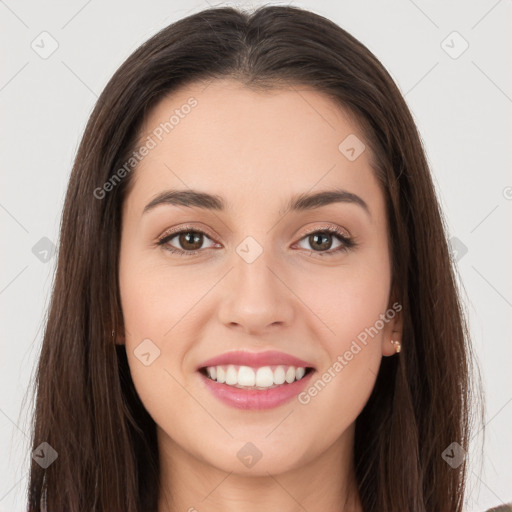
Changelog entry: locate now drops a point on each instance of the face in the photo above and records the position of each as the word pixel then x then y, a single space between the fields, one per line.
pixel 311 282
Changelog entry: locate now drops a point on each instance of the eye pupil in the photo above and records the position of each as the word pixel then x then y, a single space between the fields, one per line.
pixel 326 240
pixel 191 237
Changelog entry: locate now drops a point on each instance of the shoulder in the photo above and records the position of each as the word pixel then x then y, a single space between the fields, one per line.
pixel 506 507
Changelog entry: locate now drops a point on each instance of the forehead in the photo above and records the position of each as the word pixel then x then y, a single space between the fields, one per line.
pixel 248 145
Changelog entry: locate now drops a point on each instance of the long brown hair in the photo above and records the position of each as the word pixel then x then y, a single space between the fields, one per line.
pixel 86 406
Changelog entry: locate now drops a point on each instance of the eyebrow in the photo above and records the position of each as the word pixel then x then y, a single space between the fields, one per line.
pixel 301 202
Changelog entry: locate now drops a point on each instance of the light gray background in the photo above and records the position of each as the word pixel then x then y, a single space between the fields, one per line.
pixel 461 105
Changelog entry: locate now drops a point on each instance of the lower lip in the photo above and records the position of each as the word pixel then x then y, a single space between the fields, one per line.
pixel 253 398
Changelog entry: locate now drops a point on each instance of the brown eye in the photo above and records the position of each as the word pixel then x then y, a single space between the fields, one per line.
pixel 320 240
pixel 188 242
pixel 191 240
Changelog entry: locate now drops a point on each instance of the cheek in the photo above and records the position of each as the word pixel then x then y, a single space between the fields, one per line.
pixel 158 311
pixel 146 318
pixel 144 310
pixel 147 299
pixel 350 304
pixel 154 359
pixel 347 301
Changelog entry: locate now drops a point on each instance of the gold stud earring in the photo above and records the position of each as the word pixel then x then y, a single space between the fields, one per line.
pixel 397 345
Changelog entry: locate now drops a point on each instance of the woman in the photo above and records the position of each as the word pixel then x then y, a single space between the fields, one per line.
pixel 255 304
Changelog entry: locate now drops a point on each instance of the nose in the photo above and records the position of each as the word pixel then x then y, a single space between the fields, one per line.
pixel 255 296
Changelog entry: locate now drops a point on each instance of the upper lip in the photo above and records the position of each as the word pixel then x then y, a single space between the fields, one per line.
pixel 255 359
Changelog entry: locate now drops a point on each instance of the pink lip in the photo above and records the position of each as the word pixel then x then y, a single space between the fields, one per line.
pixel 255 359
pixel 253 398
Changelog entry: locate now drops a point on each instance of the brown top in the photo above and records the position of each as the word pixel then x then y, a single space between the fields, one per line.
pixel 506 507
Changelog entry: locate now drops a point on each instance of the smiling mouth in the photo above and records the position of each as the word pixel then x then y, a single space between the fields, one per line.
pixel 261 378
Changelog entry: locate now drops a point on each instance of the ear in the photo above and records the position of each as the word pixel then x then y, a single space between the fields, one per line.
pixel 393 327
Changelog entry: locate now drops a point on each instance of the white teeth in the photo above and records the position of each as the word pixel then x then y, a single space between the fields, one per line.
pixel 279 375
pixel 290 374
pixel 231 375
pixel 221 374
pixel 246 376
pixel 264 377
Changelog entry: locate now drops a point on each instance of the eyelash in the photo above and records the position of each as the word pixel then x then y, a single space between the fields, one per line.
pixel 346 242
